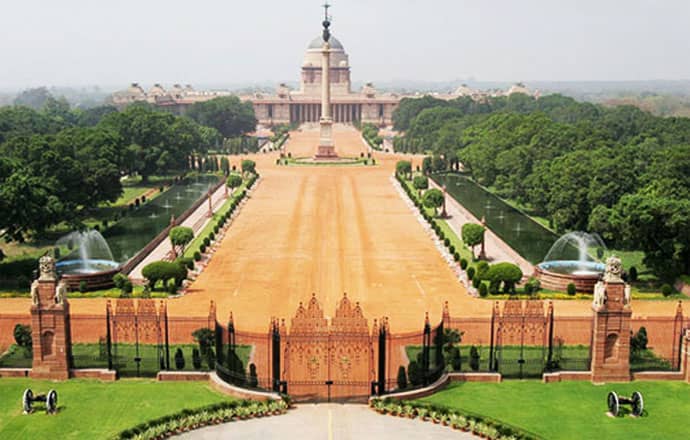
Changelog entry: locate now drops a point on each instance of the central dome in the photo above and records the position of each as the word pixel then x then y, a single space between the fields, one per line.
pixel 317 42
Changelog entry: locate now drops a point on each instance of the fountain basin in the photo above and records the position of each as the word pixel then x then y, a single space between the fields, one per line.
pixel 557 274
pixel 98 274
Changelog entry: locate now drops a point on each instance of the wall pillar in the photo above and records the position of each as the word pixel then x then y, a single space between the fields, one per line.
pixel 611 338
pixel 685 359
pixel 50 329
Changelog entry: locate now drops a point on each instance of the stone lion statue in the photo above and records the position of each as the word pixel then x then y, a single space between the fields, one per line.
pixel 60 293
pixel 599 298
pixel 34 293
pixel 614 270
pixel 46 268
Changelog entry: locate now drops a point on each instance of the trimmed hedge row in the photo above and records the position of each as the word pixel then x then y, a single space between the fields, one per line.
pixel 190 419
pixel 208 239
pixel 483 427
pixel 433 223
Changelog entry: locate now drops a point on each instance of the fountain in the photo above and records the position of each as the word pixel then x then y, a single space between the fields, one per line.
pixel 89 260
pixel 573 258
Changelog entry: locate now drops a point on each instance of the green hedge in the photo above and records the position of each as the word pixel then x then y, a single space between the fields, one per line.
pixel 481 426
pixel 190 419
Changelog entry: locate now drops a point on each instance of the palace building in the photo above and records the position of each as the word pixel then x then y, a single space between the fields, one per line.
pixel 288 106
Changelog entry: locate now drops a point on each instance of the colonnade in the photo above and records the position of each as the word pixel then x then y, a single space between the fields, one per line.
pixel 312 112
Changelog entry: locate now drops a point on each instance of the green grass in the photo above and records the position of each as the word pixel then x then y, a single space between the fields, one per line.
pixel 94 356
pixel 344 161
pixel 94 410
pixel 574 410
pixel 570 357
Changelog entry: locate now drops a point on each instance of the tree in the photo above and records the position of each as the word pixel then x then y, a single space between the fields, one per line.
pixel 179 359
pixel 420 183
pixel 180 236
pixel 474 358
pixel 638 342
pixel 227 114
pixel 205 337
pixel 164 271
pixel 415 373
pixel 433 198
pixel 22 336
pixel 234 181
pixel 472 235
pixel 403 168
pixel 253 378
pixel 506 273
pixel 402 378
pixel 451 337
pixel 248 166
pixel 33 98
pixel 196 359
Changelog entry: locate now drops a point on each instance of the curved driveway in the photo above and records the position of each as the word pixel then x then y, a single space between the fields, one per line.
pixel 329 422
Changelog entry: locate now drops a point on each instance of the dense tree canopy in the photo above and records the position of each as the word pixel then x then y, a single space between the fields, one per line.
pixel 580 165
pixel 58 163
pixel 227 114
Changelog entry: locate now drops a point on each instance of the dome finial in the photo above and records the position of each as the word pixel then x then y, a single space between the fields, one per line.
pixel 326 22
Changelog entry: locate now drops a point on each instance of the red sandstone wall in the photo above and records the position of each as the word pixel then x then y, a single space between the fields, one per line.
pixel 7 323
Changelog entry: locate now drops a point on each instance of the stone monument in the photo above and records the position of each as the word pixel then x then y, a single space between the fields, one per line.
pixel 611 338
pixel 326 149
pixel 50 324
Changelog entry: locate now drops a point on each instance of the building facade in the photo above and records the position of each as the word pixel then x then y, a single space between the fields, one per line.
pixel 287 106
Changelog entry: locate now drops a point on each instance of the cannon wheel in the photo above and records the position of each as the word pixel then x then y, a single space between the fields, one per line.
pixel 51 402
pixel 27 400
pixel 637 404
pixel 613 403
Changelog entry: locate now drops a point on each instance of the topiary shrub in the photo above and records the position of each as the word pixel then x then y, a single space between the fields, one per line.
pixel 202 248
pixel 179 359
pixel 470 273
pixel 571 289
pixel 446 242
pixel 456 256
pixel 164 271
pixel 119 280
pixel 83 286
pixel 463 264
pixel 211 359
pixel 666 290
pixel 451 248
pixel 455 359
pixel 474 358
pixel 207 241
pixel 533 285
pixel 482 269
pixel 186 262
pixel 253 381
pixel 483 290
pixel 506 273
pixel 402 378
pixel 127 288
pixel 476 282
pixel 632 274
pixel 22 336
pixel 212 236
pixel 197 256
pixel 196 359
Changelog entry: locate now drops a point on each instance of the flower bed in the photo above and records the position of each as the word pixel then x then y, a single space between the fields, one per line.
pixel 453 418
pixel 190 419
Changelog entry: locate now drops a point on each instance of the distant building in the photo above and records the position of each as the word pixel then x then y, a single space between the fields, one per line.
pixel 287 106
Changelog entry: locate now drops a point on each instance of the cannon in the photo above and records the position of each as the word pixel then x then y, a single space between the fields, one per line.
pixel 50 399
pixel 615 401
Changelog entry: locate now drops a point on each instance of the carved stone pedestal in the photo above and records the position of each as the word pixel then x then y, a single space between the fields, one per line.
pixel 50 325
pixel 611 332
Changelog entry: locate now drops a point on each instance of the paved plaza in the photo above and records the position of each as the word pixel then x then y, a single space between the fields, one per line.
pixel 329 422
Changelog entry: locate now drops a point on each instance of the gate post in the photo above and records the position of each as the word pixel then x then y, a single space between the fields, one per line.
pixel 382 359
pixel 108 339
pixel 426 344
pixel 549 361
pixel 275 333
pixel 612 312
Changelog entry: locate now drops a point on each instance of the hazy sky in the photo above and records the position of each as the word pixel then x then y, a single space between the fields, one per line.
pixel 115 42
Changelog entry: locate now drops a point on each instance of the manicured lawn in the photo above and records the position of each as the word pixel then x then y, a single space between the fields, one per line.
pixel 569 357
pixel 93 409
pixel 94 356
pixel 574 410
